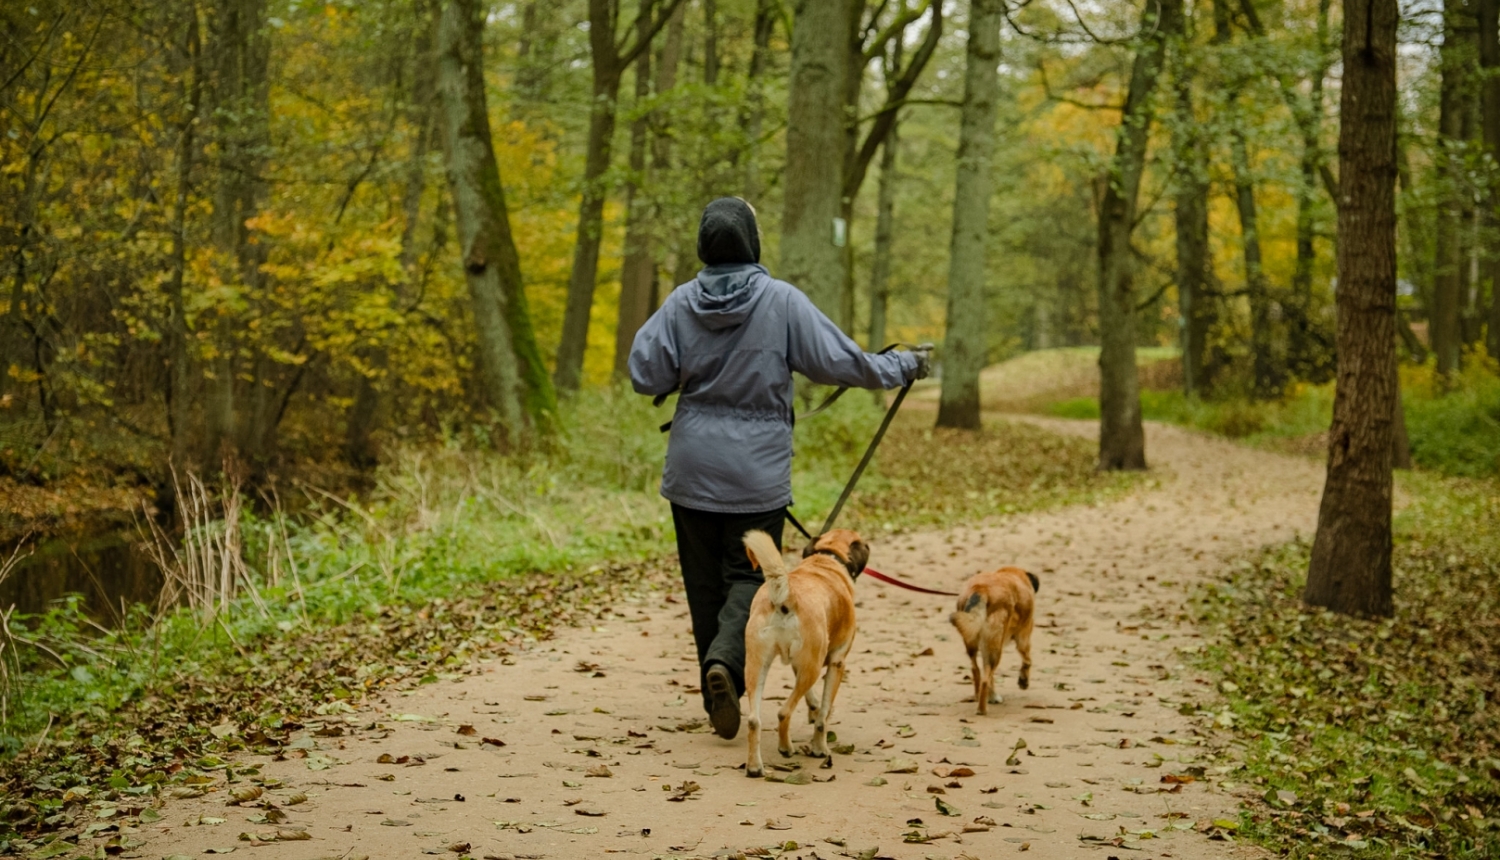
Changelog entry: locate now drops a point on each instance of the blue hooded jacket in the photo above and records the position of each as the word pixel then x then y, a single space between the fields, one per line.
pixel 730 340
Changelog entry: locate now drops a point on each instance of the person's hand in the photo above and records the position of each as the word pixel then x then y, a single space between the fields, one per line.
pixel 924 362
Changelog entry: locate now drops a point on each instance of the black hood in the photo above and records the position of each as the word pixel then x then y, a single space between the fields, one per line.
pixel 728 233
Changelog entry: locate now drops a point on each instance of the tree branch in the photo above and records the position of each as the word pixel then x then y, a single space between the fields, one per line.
pixel 885 119
pixel 629 54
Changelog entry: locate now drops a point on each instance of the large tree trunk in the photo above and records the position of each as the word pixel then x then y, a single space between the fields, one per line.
pixel 1490 117
pixel 811 240
pixel 1489 60
pixel 512 377
pixel 1443 322
pixel 1194 262
pixel 1350 570
pixel 638 272
pixel 965 345
pixel 1122 440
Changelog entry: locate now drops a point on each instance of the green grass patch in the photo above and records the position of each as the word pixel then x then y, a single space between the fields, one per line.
pixel 1454 430
pixel 1381 737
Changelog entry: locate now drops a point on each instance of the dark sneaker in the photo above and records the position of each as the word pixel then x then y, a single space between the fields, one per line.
pixel 723 702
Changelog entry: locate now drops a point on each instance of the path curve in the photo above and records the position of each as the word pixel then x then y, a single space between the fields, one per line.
pixel 1101 720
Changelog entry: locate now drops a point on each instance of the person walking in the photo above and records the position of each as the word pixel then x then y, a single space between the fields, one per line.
pixel 729 341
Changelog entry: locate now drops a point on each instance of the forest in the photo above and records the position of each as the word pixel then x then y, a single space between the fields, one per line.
pixel 315 322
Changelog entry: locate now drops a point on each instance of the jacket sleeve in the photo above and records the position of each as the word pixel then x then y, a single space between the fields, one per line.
pixel 654 361
pixel 818 350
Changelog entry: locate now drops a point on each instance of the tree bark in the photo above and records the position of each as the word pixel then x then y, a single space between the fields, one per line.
pixel 513 379
pixel 638 271
pixel 179 382
pixel 1194 262
pixel 1350 570
pixel 1122 440
pixel 242 50
pixel 420 117
pixel 885 218
pixel 965 345
pixel 811 242
pixel 753 119
pixel 1443 324
pixel 1489 60
pixel 609 63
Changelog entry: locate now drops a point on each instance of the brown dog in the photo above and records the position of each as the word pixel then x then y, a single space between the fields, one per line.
pixel 806 617
pixel 993 609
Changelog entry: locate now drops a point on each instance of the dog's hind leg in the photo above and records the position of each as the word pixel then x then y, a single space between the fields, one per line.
pixel 992 660
pixel 977 675
pixel 757 668
pixel 1023 645
pixel 807 675
pixel 831 681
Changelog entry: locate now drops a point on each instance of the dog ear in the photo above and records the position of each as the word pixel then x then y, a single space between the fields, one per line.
pixel 812 547
pixel 859 555
pixel 1036 584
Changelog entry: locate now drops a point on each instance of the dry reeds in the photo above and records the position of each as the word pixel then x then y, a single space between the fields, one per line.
pixel 207 570
pixel 10 659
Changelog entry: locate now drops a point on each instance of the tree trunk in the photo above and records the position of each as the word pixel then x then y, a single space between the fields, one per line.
pixel 1443 320
pixel 179 382
pixel 710 43
pixel 420 117
pixel 1122 440
pixel 965 345
pixel 1194 262
pixel 568 374
pixel 1267 369
pixel 880 273
pixel 1303 355
pixel 1350 570
pixel 242 50
pixel 1489 60
pixel 754 116
pixel 638 272
pixel 513 379
pixel 811 241
pixel 609 64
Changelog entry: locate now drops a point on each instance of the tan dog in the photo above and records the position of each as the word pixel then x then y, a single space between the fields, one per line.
pixel 993 609
pixel 806 617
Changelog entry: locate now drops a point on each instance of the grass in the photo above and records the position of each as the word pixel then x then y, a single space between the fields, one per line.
pixel 453 556
pixel 1380 737
pixel 1454 430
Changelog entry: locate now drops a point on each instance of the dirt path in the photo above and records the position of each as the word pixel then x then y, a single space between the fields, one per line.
pixel 589 756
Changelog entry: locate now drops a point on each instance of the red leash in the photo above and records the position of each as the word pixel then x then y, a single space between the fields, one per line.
pixel 906 585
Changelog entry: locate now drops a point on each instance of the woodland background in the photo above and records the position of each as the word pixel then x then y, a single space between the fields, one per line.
pixel 259 187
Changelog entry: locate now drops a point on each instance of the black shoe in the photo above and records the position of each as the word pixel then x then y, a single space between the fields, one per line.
pixel 723 702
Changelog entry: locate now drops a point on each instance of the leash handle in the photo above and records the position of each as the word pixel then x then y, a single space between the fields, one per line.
pixel 865 461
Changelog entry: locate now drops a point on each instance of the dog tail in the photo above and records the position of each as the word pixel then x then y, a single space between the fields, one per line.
pixel 969 616
pixel 764 555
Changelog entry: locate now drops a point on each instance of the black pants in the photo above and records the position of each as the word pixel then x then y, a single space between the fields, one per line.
pixel 720 582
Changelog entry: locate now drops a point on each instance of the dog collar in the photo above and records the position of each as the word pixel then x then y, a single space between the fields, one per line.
pixel 853 574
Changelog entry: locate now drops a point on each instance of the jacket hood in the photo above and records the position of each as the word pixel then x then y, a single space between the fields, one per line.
pixel 728 233
pixel 722 296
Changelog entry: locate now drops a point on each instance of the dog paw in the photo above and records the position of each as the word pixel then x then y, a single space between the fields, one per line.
pixel 784 753
pixel 1024 682
pixel 754 774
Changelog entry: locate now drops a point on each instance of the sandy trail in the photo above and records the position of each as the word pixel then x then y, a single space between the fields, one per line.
pixel 1102 707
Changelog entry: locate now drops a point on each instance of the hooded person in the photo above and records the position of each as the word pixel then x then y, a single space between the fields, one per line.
pixel 729 341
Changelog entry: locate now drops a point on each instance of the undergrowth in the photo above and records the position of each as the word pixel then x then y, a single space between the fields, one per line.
pixel 1381 737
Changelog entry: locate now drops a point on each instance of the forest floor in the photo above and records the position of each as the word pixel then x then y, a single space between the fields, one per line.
pixel 602 746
